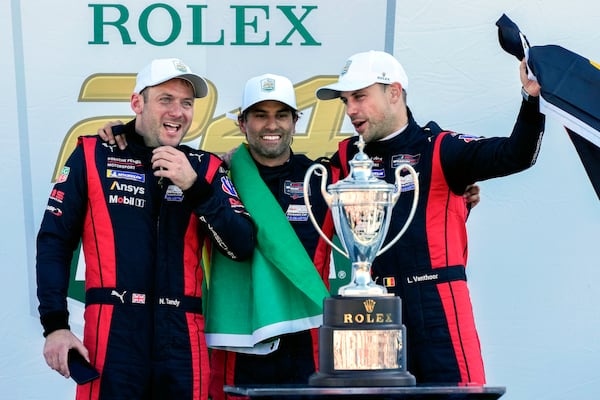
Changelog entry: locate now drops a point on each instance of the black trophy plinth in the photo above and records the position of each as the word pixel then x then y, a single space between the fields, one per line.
pixel 362 343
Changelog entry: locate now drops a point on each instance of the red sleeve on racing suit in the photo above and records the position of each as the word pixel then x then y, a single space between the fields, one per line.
pixel 219 208
pixel 57 239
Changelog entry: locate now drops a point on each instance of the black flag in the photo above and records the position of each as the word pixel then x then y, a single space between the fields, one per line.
pixel 570 91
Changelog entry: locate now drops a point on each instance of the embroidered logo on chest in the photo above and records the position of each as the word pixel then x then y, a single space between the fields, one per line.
pixel 294 189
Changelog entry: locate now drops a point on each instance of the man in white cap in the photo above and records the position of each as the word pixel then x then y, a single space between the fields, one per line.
pixel 142 214
pixel 426 268
pixel 267 119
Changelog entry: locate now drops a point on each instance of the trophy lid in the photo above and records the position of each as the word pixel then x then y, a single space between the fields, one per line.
pixel 361 174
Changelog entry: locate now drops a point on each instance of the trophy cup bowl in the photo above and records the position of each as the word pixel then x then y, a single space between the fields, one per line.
pixel 362 339
pixel 361 215
pixel 361 206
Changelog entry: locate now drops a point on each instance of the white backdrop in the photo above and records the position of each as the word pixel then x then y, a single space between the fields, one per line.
pixel 534 266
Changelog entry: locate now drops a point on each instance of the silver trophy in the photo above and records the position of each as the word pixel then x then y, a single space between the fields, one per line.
pixel 361 206
pixel 362 341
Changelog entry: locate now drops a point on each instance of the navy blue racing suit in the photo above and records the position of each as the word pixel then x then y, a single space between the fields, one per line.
pixel 426 267
pixel 142 238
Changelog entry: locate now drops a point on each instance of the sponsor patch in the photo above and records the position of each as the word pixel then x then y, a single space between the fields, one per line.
pixel 378 169
pixel 407 183
pixel 127 188
pixel 411 159
pixel 198 156
pixel 235 203
pixel 54 210
pixel 297 212
pixel 466 138
pixel 126 200
pixel 127 175
pixel 57 195
pixel 267 85
pixel 294 189
pixel 346 67
pixel 123 163
pixel 119 295
pixel 227 186
pixel 111 147
pixel 237 206
pixel 174 193
pixel 64 174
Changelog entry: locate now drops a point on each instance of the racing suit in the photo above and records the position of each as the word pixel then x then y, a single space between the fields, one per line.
pixel 426 267
pixel 297 355
pixel 141 238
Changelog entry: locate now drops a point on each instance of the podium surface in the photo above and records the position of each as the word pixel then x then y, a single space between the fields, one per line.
pixel 413 392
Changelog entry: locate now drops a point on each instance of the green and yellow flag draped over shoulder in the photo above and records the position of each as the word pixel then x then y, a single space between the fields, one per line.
pixel 251 303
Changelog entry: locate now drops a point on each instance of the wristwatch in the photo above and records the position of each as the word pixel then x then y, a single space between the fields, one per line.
pixel 528 97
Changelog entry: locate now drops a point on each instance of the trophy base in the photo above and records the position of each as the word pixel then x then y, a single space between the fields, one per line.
pixel 363 379
pixel 362 343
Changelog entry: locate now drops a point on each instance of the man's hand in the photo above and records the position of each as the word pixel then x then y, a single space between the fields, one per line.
pixel 168 162
pixel 107 135
pixel 532 87
pixel 57 347
pixel 226 157
pixel 472 195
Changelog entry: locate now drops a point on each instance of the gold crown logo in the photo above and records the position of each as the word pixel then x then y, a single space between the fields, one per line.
pixel 369 305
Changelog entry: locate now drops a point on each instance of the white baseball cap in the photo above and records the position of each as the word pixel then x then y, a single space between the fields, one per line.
pixel 364 69
pixel 164 69
pixel 268 87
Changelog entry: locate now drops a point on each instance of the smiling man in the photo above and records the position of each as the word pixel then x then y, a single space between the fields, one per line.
pixel 142 214
pixel 268 119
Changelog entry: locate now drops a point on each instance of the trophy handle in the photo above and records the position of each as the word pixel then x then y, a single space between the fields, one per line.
pixel 327 198
pixel 395 197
